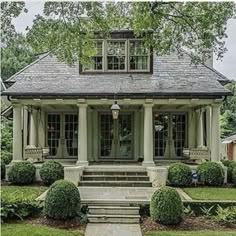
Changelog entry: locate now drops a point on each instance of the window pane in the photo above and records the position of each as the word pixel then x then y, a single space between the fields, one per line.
pixel 138 56
pixel 116 55
pixel 96 61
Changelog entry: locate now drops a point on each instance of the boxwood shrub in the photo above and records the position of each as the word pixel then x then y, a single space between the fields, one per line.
pixel 51 171
pixel 62 200
pixel 22 172
pixel 230 164
pixel 230 171
pixel 234 176
pixel 180 174
pixel 166 206
pixel 3 169
pixel 211 173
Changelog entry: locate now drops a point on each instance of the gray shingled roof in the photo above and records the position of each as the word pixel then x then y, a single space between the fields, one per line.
pixel 172 75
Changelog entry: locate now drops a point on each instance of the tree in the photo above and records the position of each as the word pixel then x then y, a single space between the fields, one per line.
pixel 15 55
pixel 68 27
pixel 10 10
pixel 228 112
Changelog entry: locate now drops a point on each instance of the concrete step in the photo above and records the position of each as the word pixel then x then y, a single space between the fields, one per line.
pixel 114 173
pixel 113 210
pixel 119 219
pixel 116 183
pixel 114 177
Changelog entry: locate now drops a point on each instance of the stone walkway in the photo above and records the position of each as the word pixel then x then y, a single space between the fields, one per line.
pixel 118 194
pixel 113 230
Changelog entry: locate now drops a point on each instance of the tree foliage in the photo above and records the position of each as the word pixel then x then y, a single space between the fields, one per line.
pixel 10 10
pixel 15 55
pixel 68 27
pixel 228 112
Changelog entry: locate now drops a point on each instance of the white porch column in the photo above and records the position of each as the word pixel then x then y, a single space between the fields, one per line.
pixel 148 136
pixel 208 126
pixel 82 137
pixel 33 126
pixel 200 128
pixel 17 133
pixel 215 133
pixel 41 129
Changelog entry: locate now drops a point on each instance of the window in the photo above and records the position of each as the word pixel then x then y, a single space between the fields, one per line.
pixel 122 55
pixel 138 59
pixel 116 55
pixel 97 61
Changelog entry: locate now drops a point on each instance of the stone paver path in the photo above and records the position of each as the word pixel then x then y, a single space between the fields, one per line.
pixel 113 230
pixel 135 194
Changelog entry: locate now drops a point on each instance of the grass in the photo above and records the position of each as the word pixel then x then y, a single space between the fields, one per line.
pixel 21 193
pixel 211 193
pixel 190 233
pixel 34 230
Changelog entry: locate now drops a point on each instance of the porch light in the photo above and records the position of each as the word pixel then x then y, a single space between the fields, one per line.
pixel 115 108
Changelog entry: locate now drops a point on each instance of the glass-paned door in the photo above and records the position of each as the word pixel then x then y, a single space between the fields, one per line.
pixel 62 135
pixel 54 133
pixel 169 134
pixel 71 134
pixel 116 136
pixel 161 121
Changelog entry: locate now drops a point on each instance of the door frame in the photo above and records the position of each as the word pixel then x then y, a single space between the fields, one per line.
pixel 62 133
pixel 100 158
pixel 170 131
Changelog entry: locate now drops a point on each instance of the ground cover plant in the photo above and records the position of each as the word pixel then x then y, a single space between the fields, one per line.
pixel 19 201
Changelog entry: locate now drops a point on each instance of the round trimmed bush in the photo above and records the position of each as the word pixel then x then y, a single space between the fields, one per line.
pixel 51 171
pixel 22 172
pixel 211 173
pixel 62 200
pixel 234 176
pixel 230 171
pixel 3 169
pixel 180 174
pixel 166 206
pixel 230 164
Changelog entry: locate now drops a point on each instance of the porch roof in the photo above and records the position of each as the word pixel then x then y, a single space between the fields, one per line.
pixel 172 76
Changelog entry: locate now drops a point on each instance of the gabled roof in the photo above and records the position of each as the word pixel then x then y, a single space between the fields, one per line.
pixel 173 75
pixel 230 139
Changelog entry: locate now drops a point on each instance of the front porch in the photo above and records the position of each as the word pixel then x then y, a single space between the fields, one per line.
pixel 147 132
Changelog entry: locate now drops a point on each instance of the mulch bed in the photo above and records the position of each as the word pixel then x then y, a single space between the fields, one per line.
pixel 188 223
pixel 72 224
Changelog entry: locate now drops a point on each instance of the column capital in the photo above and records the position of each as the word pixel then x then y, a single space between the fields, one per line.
pixel 82 105
pixel 16 104
pixel 148 105
pixel 216 105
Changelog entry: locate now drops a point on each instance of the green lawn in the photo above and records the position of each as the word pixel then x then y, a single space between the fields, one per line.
pixel 190 233
pixel 21 193
pixel 211 193
pixel 34 230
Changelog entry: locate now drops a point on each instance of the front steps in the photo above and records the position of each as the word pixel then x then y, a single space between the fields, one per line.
pixel 113 214
pixel 115 178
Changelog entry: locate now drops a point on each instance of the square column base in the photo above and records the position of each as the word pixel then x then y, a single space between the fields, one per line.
pixel 82 163
pixel 148 163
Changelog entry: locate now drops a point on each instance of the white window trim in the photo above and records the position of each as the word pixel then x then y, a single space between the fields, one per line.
pixel 127 57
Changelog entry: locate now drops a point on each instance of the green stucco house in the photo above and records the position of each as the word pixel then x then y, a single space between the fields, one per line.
pixel 167 107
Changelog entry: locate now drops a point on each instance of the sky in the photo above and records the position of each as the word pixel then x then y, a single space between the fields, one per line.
pixel 227 66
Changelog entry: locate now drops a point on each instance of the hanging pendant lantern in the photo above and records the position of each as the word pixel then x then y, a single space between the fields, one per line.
pixel 115 108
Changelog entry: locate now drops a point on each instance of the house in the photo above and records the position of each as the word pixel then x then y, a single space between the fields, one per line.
pixel 163 106
pixel 229 145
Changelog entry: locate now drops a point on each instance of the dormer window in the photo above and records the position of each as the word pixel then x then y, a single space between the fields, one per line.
pixel 124 55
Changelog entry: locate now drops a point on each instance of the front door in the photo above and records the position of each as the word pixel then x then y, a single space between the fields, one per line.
pixel 169 134
pixel 116 136
pixel 62 135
